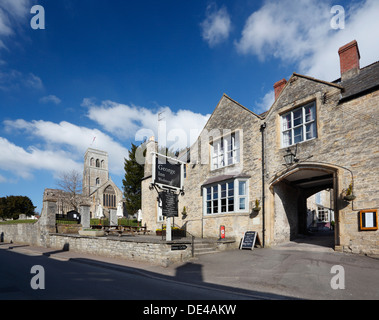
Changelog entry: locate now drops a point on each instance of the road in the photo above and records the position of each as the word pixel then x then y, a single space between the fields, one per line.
pixel 82 279
pixel 297 270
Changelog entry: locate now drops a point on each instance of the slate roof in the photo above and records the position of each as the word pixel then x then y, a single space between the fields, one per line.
pixel 365 81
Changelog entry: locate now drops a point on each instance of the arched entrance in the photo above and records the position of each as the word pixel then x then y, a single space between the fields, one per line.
pixel 290 191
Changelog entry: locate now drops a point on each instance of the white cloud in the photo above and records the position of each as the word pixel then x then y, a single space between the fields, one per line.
pixel 65 141
pixel 14 79
pixel 265 103
pixel 23 162
pixel 131 121
pixel 216 26
pixel 299 32
pixel 50 98
pixel 12 12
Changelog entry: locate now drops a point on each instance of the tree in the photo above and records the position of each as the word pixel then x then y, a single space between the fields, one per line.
pixel 12 206
pixel 70 183
pixel 134 173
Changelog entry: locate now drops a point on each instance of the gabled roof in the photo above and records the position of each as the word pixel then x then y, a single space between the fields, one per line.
pixel 225 96
pixel 332 84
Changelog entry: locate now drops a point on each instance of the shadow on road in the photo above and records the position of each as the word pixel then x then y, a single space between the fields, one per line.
pixel 82 278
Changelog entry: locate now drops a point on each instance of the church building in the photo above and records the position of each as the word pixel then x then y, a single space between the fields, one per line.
pixel 98 189
pixel 98 185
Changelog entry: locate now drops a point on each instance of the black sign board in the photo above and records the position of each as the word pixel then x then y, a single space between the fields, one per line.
pixel 178 247
pixel 249 239
pixel 166 173
pixel 169 202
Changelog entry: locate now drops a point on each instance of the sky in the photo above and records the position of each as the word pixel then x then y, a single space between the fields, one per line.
pixel 99 74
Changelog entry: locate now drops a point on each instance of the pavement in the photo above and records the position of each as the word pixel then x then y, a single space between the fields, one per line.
pixel 304 269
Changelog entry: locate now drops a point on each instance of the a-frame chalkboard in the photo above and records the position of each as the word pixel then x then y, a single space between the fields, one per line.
pixel 249 239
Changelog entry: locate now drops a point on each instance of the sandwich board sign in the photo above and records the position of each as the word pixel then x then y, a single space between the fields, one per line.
pixel 249 239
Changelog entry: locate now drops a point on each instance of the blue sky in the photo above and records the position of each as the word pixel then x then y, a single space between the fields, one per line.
pixel 105 69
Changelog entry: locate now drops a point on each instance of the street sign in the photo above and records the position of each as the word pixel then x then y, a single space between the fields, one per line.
pixel 178 247
pixel 169 202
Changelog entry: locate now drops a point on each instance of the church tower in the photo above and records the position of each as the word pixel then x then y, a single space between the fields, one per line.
pixel 95 170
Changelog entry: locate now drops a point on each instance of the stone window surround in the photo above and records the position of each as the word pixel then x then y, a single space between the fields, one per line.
pixel 316 98
pixel 302 125
pixel 236 138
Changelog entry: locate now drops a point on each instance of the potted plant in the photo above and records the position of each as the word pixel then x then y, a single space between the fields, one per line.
pixel 257 208
pixel 184 212
pixel 349 193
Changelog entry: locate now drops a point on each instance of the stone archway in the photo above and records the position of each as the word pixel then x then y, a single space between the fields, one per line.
pixel 290 191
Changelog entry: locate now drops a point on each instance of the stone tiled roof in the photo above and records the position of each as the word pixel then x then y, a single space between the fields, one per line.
pixel 366 80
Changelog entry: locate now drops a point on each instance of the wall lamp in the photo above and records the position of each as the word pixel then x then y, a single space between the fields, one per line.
pixel 290 158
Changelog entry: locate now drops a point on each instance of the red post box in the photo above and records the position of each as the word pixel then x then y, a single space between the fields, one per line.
pixel 222 232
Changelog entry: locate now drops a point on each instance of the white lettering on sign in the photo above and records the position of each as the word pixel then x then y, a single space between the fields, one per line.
pixel 170 171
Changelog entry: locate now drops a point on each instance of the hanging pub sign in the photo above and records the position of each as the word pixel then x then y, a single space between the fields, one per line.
pixel 169 203
pixel 167 172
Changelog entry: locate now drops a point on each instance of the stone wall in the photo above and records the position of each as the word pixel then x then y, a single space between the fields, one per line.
pixel 32 233
pixel 155 253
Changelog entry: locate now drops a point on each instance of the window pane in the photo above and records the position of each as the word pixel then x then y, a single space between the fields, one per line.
pixel 230 189
pixel 310 113
pixel 286 122
pixel 298 117
pixel 215 192
pixel 209 207
pixel 215 206
pixel 209 193
pixel 242 188
pixel 242 203
pixel 287 138
pixel 311 130
pixel 223 190
pixel 223 205
pixel 298 134
pixel 230 205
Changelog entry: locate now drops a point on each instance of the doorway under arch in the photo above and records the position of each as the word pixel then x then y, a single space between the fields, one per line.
pixel 290 191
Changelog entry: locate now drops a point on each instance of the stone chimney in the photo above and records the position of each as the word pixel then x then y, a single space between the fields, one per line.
pixel 278 87
pixel 349 60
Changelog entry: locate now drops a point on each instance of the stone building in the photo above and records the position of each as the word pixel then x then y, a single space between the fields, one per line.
pixel 327 131
pixel 98 189
pixel 98 185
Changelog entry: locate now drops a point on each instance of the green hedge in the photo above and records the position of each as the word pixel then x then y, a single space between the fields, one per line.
pixel 121 222
pixel 18 221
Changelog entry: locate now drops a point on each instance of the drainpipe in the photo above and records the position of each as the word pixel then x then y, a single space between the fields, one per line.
pixel 263 127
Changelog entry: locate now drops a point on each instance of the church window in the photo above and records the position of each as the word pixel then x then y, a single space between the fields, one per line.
pixel 102 164
pixel 97 163
pixel 109 197
pixel 97 181
pixel 92 162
